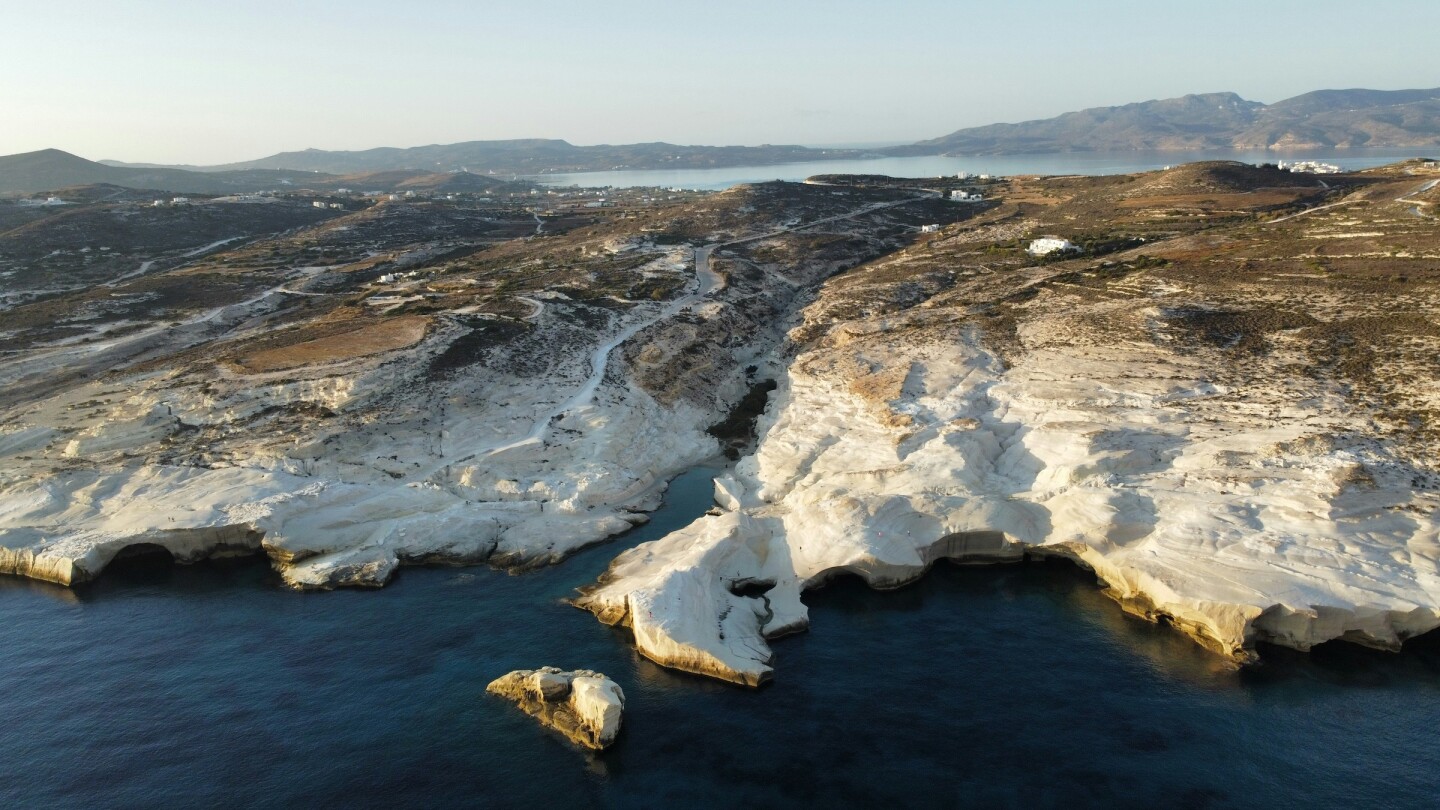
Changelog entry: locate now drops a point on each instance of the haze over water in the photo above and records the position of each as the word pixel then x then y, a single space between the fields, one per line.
pixel 934 165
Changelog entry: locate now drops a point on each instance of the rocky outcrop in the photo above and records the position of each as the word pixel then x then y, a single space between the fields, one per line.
pixel 478 438
pixel 585 706
pixel 72 559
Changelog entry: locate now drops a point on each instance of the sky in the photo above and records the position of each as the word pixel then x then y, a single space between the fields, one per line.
pixel 206 82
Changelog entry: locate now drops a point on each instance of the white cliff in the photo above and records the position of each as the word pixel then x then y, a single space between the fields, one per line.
pixel 1237 531
pixel 1227 479
pixel 296 422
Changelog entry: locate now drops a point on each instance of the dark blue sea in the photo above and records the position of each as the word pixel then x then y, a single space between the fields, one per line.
pixel 1017 686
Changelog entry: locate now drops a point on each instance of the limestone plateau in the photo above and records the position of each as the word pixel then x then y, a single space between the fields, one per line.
pixel 1224 405
pixel 586 707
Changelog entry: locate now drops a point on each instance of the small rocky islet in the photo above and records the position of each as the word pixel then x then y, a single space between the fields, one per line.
pixel 586 707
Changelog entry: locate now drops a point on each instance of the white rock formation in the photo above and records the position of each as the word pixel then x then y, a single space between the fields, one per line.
pixel 507 476
pixel 585 706
pixel 489 464
pixel 486 440
pixel 881 454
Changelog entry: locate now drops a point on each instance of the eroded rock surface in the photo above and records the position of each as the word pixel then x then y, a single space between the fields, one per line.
pixel 449 387
pixel 585 706
pixel 1183 424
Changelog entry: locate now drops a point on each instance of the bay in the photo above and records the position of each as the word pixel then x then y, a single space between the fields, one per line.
pixel 1012 686
pixel 1092 163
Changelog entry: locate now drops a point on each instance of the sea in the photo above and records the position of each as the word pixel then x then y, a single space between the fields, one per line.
pixel 934 165
pixel 1007 686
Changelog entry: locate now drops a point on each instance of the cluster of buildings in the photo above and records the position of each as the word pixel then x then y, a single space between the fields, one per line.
pixel 1309 167
pixel 173 201
pixel 391 278
pixel 961 195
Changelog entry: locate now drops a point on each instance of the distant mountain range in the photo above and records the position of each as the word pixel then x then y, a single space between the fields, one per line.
pixel 52 169
pixel 1322 119
pixel 536 156
pixel 1325 118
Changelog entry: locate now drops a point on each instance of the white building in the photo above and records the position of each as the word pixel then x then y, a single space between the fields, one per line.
pixel 1046 245
pixel 929 228
pixel 961 195
pixel 1310 167
pixel 318 203
pixel 180 201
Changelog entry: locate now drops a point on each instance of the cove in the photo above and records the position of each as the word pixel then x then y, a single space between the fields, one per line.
pixel 1012 685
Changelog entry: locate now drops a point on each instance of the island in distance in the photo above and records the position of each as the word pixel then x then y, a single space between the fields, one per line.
pixel 1217 393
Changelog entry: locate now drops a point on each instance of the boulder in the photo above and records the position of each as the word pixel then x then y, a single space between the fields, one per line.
pixel 584 706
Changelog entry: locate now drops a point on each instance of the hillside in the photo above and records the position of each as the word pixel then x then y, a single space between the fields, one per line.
pixel 1324 118
pixel 1320 119
pixel 536 156
pixel 50 169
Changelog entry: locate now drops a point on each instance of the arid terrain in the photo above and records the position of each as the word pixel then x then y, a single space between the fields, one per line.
pixel 1224 407
pixel 1224 404
pixel 414 381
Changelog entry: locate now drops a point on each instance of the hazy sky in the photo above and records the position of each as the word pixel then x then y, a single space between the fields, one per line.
pixel 204 81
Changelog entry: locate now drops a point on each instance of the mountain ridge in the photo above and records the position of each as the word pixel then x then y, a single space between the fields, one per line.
pixel 1333 118
pixel 1352 118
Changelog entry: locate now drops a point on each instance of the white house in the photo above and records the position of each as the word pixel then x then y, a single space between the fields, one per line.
pixel 961 195
pixel 180 201
pixel 1046 245
pixel 929 228
pixel 318 204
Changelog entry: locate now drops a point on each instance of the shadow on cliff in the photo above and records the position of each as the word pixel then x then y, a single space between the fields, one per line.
pixel 1341 663
pixel 959 612
pixel 146 567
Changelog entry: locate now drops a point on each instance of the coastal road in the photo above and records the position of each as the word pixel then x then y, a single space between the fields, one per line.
pixel 1313 210
pixel 1417 203
pixel 702 255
